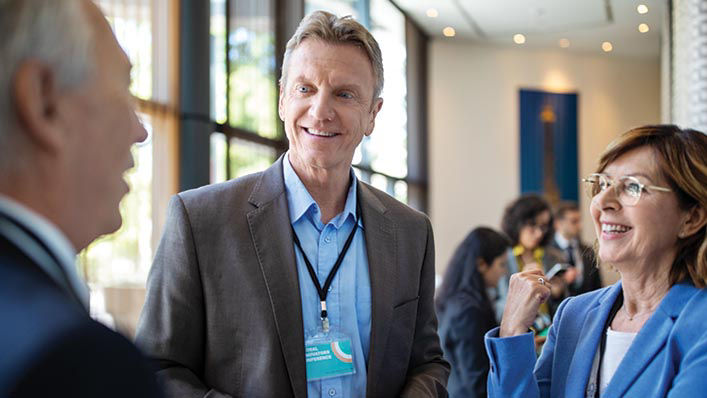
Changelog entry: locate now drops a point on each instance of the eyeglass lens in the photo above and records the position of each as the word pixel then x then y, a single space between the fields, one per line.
pixel 627 189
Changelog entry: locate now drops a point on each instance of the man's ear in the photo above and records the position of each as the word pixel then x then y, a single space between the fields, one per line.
pixel 375 108
pixel 695 219
pixel 35 96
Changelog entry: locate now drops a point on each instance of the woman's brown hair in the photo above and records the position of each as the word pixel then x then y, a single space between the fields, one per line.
pixel 682 159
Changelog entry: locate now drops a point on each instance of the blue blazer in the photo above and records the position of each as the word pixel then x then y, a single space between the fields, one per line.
pixel 668 358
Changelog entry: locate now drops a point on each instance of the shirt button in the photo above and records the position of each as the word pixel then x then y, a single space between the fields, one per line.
pixel 327 240
pixel 332 392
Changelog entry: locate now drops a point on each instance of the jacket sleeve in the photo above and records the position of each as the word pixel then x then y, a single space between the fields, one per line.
pixel 690 380
pixel 171 329
pixel 515 372
pixel 428 371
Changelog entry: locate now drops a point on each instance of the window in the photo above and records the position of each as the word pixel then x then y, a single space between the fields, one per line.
pixel 244 90
pixel 118 263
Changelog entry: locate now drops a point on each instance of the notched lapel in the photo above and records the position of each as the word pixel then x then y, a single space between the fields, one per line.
pixel 381 246
pixel 272 239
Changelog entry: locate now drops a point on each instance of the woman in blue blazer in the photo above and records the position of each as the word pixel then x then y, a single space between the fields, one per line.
pixel 645 336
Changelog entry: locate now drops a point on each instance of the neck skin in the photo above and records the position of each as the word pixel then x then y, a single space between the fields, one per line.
pixel 528 256
pixel 644 285
pixel 328 186
pixel 40 190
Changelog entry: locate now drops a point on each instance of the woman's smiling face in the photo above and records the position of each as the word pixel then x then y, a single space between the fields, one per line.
pixel 646 231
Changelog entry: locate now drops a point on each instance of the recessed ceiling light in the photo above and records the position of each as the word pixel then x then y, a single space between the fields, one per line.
pixel 518 38
pixel 564 43
pixel 606 46
pixel 643 28
pixel 449 31
pixel 432 13
pixel 642 8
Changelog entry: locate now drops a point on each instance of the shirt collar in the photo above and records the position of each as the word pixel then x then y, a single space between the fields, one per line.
pixel 299 201
pixel 53 238
pixel 562 241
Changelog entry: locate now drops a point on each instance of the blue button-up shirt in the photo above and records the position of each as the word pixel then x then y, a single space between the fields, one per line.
pixel 349 297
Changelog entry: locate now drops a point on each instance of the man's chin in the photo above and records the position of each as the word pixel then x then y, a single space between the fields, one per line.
pixel 111 224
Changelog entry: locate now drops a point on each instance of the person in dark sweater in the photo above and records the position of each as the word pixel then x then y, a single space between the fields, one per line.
pixel 465 310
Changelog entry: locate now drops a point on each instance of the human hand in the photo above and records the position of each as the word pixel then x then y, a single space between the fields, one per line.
pixel 558 288
pixel 570 275
pixel 526 291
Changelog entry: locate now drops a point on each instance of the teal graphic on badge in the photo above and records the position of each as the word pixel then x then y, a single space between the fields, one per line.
pixel 342 351
pixel 331 359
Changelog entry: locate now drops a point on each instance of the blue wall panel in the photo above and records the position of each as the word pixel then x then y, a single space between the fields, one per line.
pixel 532 142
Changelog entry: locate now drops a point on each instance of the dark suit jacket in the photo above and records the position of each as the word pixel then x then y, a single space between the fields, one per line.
pixel 592 278
pixel 49 347
pixel 223 313
pixel 462 325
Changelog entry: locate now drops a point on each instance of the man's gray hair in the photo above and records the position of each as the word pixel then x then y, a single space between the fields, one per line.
pixel 331 29
pixel 55 32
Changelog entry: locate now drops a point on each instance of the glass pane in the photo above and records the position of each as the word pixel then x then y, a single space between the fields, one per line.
pixel 132 23
pixel 252 82
pixel 248 157
pixel 218 60
pixel 124 257
pixel 401 191
pixel 362 175
pixel 218 158
pixel 380 182
pixel 386 149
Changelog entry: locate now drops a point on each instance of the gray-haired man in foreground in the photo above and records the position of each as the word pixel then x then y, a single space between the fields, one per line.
pixel 66 127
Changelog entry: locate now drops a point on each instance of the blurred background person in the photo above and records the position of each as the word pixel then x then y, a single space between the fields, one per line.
pixel 644 335
pixel 465 310
pixel 528 223
pixel 67 125
pixel 583 275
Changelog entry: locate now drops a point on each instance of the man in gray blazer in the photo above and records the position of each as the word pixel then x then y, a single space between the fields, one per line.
pixel 300 280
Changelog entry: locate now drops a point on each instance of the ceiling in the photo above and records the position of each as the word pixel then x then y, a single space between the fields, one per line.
pixel 585 23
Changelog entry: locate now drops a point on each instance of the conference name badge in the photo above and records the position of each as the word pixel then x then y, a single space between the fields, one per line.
pixel 327 356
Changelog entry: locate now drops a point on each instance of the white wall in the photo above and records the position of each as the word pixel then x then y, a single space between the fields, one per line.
pixel 474 126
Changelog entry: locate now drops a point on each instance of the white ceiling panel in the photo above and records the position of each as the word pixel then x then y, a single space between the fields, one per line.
pixel 585 23
pixel 497 18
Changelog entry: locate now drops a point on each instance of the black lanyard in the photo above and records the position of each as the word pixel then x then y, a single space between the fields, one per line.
pixel 602 345
pixel 324 290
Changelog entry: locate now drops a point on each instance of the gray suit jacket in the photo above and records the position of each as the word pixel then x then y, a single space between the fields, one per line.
pixel 223 313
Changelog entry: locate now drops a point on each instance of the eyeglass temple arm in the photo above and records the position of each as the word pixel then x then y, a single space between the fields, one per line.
pixel 659 188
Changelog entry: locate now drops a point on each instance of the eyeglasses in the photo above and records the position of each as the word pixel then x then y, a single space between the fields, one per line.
pixel 541 227
pixel 627 188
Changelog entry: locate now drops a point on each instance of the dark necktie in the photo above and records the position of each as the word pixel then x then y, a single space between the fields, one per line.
pixel 570 254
